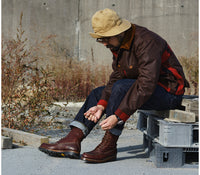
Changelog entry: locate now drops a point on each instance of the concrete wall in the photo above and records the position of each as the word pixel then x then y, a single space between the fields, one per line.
pixel 70 20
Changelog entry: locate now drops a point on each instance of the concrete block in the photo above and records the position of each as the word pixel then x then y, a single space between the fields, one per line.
pixel 25 137
pixel 6 142
pixel 181 116
pixel 192 105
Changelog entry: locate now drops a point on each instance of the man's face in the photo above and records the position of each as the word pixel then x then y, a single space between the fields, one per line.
pixel 113 42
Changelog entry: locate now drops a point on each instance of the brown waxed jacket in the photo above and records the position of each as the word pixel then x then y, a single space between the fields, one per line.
pixel 146 57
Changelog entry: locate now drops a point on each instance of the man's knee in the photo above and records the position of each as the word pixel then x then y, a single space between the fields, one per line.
pixel 118 86
pixel 97 91
pixel 122 86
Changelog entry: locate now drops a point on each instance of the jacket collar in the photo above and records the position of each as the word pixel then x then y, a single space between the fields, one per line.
pixel 129 35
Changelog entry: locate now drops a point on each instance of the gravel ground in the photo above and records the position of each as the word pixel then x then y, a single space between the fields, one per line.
pixel 62 114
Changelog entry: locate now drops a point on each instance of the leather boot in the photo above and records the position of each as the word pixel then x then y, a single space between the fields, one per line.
pixel 105 151
pixel 69 146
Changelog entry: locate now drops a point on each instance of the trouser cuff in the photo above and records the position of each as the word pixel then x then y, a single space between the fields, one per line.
pixel 81 126
pixel 115 131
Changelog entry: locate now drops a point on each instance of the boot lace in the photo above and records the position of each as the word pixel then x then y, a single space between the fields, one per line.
pixel 105 142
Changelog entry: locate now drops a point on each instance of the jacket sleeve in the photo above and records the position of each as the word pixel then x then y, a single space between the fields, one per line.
pixel 149 55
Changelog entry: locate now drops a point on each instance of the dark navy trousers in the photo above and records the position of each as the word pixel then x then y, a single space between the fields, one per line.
pixel 160 100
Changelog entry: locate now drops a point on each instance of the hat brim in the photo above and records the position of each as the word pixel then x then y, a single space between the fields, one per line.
pixel 125 25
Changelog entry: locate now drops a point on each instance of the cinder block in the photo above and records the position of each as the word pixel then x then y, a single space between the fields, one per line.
pixel 6 142
pixel 191 104
pixel 25 137
pixel 181 116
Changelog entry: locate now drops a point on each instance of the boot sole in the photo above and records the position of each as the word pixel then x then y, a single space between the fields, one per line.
pixel 108 159
pixel 53 153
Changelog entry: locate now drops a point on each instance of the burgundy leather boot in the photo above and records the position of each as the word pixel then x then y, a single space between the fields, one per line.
pixel 69 146
pixel 105 151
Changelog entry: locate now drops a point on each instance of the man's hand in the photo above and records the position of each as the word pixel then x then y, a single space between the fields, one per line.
pixel 94 113
pixel 109 122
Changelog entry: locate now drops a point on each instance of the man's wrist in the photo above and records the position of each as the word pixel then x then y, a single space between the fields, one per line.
pixel 120 121
pixel 101 107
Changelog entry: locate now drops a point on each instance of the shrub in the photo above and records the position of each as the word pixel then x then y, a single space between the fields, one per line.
pixel 191 70
pixel 24 85
pixel 29 89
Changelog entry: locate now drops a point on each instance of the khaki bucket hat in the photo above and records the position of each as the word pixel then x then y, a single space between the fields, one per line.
pixel 106 23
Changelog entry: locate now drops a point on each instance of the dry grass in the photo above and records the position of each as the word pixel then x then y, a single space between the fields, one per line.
pixel 191 70
pixel 74 80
